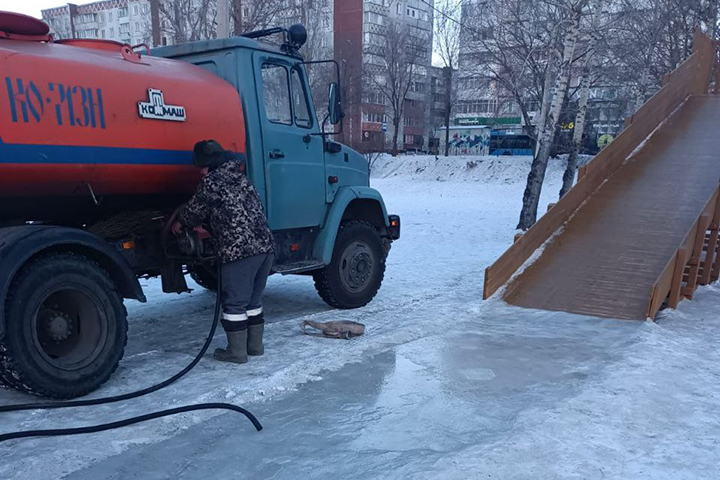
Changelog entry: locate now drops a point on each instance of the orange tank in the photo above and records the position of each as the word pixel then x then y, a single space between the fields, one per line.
pixel 82 116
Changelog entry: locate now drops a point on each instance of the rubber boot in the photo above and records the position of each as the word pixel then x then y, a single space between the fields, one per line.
pixel 236 351
pixel 256 328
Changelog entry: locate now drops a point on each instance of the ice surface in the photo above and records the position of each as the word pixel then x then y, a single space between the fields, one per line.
pixel 442 386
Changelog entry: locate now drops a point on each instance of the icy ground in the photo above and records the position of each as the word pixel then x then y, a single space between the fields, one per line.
pixel 443 385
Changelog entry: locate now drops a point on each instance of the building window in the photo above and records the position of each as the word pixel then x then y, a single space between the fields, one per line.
pixel 112 32
pixel 137 27
pixel 399 8
pixel 375 98
pixel 102 33
pixel 123 12
pixel 135 9
pixel 411 12
pixel 124 28
pixel 373 117
pixel 110 16
pixel 101 16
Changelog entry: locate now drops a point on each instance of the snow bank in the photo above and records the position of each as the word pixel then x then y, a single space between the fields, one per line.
pixel 465 168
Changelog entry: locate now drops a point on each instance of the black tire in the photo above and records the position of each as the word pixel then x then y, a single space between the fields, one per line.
pixel 357 269
pixel 66 328
pixel 204 276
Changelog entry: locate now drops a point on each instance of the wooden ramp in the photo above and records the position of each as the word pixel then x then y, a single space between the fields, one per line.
pixel 635 233
pixel 608 257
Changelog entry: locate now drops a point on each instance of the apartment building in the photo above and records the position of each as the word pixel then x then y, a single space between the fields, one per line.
pixel 359 26
pixel 126 21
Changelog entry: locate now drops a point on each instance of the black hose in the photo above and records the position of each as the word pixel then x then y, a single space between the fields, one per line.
pixel 130 421
pixel 130 395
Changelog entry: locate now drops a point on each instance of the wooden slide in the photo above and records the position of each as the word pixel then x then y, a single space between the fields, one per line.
pixel 640 228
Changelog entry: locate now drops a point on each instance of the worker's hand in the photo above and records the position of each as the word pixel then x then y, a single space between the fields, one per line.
pixel 201 231
pixel 176 227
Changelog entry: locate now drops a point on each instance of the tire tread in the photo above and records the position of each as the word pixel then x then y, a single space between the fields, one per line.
pixel 321 277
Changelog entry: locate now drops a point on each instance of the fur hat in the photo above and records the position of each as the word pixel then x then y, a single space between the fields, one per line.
pixel 209 154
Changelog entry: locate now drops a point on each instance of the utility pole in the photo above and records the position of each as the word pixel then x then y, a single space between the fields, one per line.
pixel 223 16
pixel 155 22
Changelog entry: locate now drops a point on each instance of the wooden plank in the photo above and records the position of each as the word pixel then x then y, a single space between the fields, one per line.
pixel 679 268
pixel 696 253
pixel 660 290
pixel 712 244
pixel 715 276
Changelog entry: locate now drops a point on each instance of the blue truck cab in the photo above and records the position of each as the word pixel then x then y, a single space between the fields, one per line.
pixel 326 218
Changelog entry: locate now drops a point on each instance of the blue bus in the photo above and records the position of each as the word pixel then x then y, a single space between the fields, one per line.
pixel 502 143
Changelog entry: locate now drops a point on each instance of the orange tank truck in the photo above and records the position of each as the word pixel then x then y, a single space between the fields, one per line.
pixel 71 124
pixel 96 147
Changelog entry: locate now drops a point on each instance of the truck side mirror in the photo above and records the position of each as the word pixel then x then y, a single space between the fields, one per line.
pixel 335 109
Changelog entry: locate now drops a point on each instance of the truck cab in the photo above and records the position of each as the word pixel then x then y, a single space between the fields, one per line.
pixel 313 188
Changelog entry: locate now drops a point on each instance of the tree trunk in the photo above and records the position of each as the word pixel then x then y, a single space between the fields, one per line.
pixel 531 197
pixel 547 95
pixel 396 132
pixel 570 170
pixel 448 105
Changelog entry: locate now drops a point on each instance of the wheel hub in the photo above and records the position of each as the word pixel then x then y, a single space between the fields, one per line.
pixel 356 266
pixel 58 325
pixel 360 268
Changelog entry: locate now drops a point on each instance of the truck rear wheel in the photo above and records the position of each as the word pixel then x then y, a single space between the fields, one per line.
pixel 356 271
pixel 204 276
pixel 66 328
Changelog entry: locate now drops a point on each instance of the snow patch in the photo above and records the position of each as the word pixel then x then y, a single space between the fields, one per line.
pixel 471 168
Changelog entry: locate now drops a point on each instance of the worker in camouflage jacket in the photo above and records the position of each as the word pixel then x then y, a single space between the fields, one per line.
pixel 230 204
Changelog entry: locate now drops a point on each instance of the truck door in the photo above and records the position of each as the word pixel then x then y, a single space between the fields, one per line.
pixel 294 163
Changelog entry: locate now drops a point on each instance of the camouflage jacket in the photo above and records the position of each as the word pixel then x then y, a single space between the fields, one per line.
pixel 231 204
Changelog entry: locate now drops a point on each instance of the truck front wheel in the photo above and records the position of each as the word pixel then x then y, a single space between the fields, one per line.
pixel 356 271
pixel 66 328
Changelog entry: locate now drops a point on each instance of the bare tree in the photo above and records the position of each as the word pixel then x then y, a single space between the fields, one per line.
pixel 396 59
pixel 447 46
pixel 188 20
pixel 508 49
pixel 249 15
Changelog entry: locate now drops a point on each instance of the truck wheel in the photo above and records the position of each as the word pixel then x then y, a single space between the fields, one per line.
pixel 66 328
pixel 204 276
pixel 357 268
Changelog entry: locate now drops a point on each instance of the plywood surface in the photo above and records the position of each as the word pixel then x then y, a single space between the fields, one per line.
pixel 609 255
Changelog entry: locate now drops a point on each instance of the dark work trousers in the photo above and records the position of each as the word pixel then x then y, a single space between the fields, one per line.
pixel 243 283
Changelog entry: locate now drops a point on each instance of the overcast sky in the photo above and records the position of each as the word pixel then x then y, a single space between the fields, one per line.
pixel 31 7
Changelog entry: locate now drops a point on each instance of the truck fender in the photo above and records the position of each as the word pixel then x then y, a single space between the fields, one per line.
pixel 22 243
pixel 344 197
